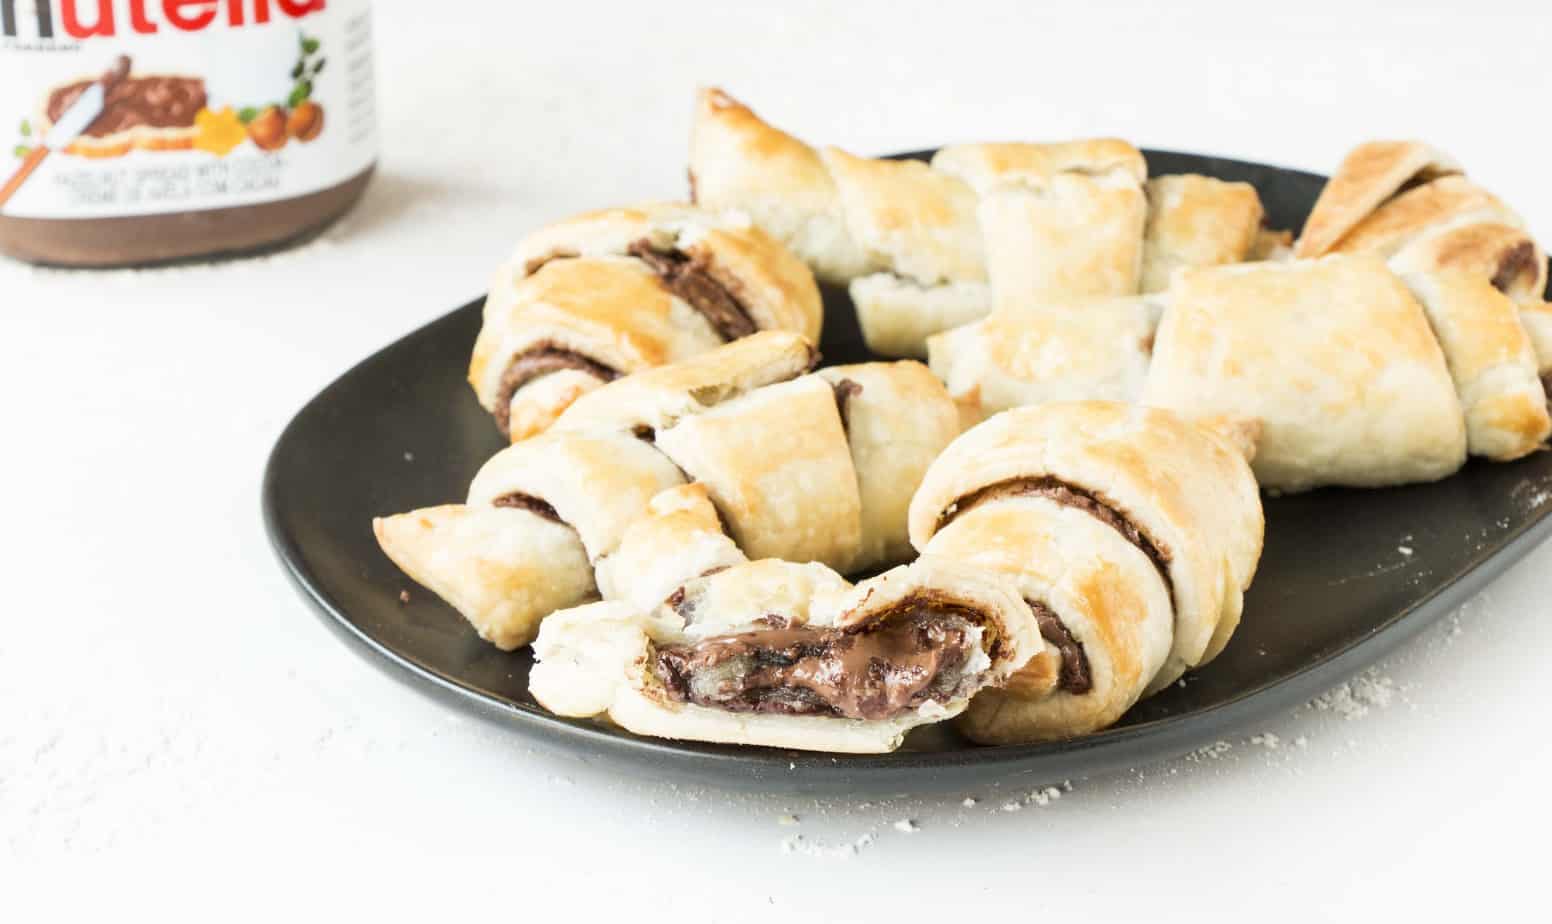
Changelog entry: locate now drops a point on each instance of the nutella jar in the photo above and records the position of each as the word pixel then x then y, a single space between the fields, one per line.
pixel 138 131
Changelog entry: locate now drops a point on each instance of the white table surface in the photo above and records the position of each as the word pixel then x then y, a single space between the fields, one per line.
pixel 167 700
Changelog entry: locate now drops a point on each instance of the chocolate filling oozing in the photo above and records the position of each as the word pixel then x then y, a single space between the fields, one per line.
pixel 154 102
pixel 874 670
pixel 687 277
pixel 1074 676
pixel 535 505
pixel 538 360
pixel 1068 496
pixel 1520 259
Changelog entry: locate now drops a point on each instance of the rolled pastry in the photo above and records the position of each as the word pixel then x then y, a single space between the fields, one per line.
pixel 608 293
pixel 1399 220
pixel 783 464
pixel 1067 350
pixel 776 463
pixel 539 514
pixel 1410 205
pixel 680 537
pixel 1536 318
pixel 1197 221
pixel 1500 253
pixel 1019 495
pixel 1069 235
pixel 738 162
pixel 784 655
pixel 987 165
pixel 1491 360
pixel 1334 358
pixel 897 420
pixel 1369 175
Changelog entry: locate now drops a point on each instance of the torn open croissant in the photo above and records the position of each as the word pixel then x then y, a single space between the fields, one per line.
pixel 788 655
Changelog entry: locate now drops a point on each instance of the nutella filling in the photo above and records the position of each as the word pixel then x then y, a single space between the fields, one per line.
pixel 877 670
pixel 1074 676
pixel 687 277
pixel 541 359
pixel 1068 496
pixel 132 102
pixel 845 390
pixel 528 502
pixel 1520 259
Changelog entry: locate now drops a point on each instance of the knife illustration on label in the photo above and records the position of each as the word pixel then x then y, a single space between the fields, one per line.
pixel 75 120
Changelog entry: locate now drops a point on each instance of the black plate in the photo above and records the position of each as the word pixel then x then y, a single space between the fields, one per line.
pixel 1335 590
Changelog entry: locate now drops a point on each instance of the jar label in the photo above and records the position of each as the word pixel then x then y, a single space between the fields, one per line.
pixel 141 107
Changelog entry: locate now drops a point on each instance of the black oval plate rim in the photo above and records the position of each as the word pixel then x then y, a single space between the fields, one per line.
pixel 1101 752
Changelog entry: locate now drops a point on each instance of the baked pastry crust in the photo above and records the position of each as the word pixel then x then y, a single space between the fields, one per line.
pixel 991 164
pixel 596 660
pixel 1491 360
pixel 768 280
pixel 1067 350
pixel 1197 220
pixel 897 417
pixel 776 464
pixel 738 162
pixel 1105 591
pixel 679 538
pixel 916 221
pixel 657 398
pixel 1398 221
pixel 897 315
pixel 1033 256
pixel 1370 174
pixel 503 569
pixel 611 310
pixel 1185 488
pixel 1335 359
pixel 1501 253
pixel 614 291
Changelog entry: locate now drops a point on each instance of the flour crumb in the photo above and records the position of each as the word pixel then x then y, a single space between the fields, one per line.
pixel 969 802
pixel 404 596
pixel 1012 806
pixel 1210 751
pixel 907 826
pixel 1067 785
pixel 1267 740
pixel 409 457
pixel 820 850
pixel 1354 699
pixel 1405 550
pixel 1043 797
pixel 1301 741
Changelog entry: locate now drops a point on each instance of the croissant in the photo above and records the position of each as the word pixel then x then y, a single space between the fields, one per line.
pixel 1130 533
pixel 789 655
pixel 1354 375
pixel 607 293
pixel 1410 204
pixel 925 248
pixel 803 467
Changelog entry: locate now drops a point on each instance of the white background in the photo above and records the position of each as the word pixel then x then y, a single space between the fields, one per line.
pixel 178 726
